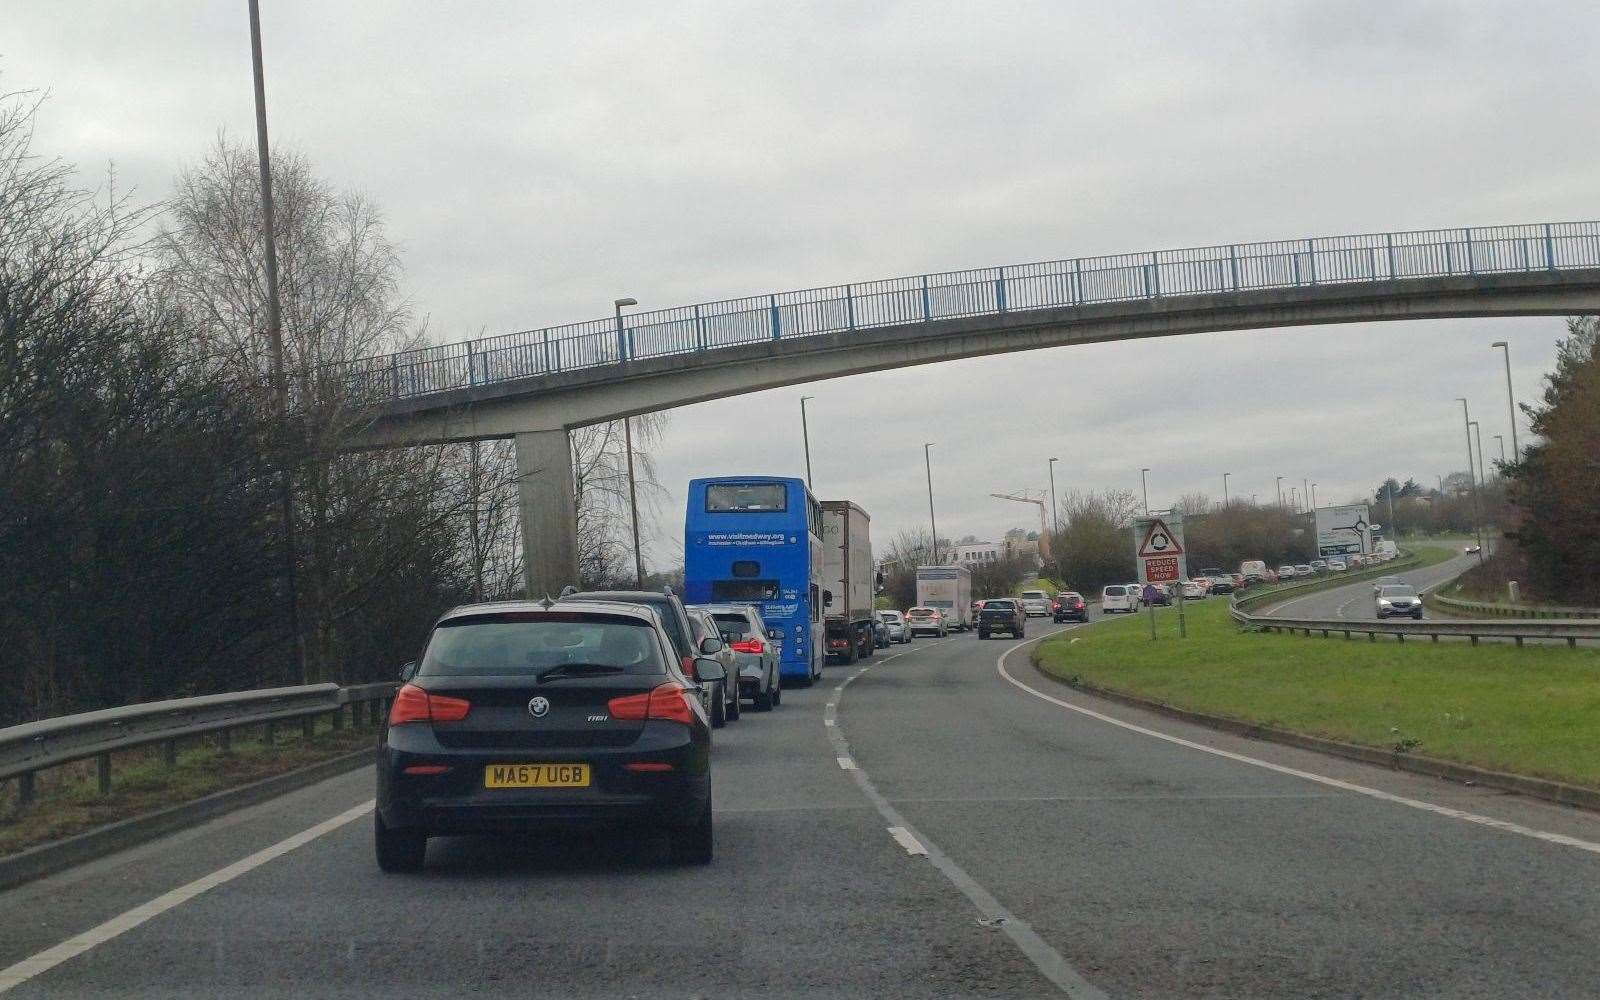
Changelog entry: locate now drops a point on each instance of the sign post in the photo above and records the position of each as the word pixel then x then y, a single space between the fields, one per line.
pixel 1159 551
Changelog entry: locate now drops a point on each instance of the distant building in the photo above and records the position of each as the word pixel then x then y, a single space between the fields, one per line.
pixel 974 553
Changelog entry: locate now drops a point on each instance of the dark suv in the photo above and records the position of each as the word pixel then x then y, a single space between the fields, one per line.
pixel 1001 614
pixel 1070 606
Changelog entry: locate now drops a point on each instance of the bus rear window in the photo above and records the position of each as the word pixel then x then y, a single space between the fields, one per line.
pixel 764 498
pixel 735 591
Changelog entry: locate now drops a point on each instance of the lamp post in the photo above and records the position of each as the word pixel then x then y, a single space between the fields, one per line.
pixel 1225 476
pixel 1144 487
pixel 1055 518
pixel 1511 399
pixel 622 343
pixel 933 527
pixel 1305 491
pixel 280 385
pixel 1501 438
pixel 1280 492
pixel 1466 427
pixel 1313 496
pixel 1477 434
pixel 805 436
pixel 627 439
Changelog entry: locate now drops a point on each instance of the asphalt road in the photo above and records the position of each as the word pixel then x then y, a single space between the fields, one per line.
pixel 953 832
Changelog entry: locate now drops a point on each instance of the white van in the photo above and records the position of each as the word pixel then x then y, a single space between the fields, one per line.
pixel 1116 597
pixel 1253 570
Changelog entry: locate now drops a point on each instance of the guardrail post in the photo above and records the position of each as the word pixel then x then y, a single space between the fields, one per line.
pixel 225 740
pixel 777 328
pixel 1449 258
pixel 1472 264
pixel 1474 639
pixel 1401 636
pixel 1388 242
pixel 548 367
pixel 699 330
pixel 338 718
pixel 25 787
pixel 1518 639
pixel 308 727
pixel 1233 264
pixel 1572 642
pixel 927 312
pixel 1144 272
pixel 1294 265
pixel 1311 259
pixel 1549 249
pixel 169 753
pixel 102 767
pixel 1372 637
pixel 1000 290
pixel 850 306
pixel 472 375
pixel 1077 281
pixel 270 734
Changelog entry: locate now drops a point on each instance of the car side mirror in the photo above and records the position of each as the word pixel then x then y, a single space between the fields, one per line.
pixel 408 671
pixel 708 670
pixel 710 646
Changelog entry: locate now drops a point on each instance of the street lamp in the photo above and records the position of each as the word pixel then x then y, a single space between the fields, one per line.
pixel 1511 400
pixel 1225 476
pixel 627 440
pixel 1477 433
pixel 1305 491
pixel 1055 518
pixel 1313 496
pixel 805 435
pixel 1466 427
pixel 1280 492
pixel 1144 487
pixel 1502 439
pixel 927 461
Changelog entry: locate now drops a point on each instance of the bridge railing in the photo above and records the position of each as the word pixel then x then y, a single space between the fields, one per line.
pixel 842 309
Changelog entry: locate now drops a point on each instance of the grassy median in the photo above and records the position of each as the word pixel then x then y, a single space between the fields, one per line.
pixel 1532 711
pixel 68 798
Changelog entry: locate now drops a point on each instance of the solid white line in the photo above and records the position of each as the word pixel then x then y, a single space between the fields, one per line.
pixel 903 837
pixel 48 959
pixel 1321 779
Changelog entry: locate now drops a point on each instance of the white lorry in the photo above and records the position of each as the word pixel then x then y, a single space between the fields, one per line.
pixel 849 578
pixel 949 589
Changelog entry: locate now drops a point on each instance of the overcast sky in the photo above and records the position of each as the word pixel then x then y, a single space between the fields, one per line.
pixel 537 160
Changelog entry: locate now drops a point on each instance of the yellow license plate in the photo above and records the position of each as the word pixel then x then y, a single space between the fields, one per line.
pixel 536 776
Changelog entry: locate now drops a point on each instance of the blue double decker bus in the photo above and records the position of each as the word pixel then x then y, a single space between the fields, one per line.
pixel 758 540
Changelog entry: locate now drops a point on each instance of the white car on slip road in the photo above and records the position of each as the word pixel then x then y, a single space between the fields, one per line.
pixel 1193 590
pixel 1115 597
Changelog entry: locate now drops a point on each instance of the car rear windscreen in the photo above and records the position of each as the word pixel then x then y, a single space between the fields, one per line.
pixel 1116 591
pixel 491 647
pixel 764 498
pixel 736 591
pixel 1035 595
pixel 737 626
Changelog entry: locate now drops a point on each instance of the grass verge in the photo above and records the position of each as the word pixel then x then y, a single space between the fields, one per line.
pixel 68 800
pixel 1532 711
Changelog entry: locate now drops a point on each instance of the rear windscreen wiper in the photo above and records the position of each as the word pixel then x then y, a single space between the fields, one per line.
pixel 579 668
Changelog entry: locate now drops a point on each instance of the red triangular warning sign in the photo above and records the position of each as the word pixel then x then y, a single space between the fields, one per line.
pixel 1158 541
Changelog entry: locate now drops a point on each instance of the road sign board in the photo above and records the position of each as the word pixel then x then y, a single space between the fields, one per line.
pixel 1158 549
pixel 1343 531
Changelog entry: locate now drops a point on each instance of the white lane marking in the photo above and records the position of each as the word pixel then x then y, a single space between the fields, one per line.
pixel 48 959
pixel 1321 779
pixel 903 837
pixel 1044 958
pixel 846 764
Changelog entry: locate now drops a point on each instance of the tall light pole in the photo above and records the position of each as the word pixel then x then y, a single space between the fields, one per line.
pixel 1477 434
pixel 1144 486
pixel 1294 499
pixel 1472 480
pixel 1225 476
pixel 1313 496
pixel 1280 492
pixel 1502 439
pixel 1055 518
pixel 280 384
pixel 622 343
pixel 627 438
pixel 1305 491
pixel 927 461
pixel 1511 399
pixel 805 435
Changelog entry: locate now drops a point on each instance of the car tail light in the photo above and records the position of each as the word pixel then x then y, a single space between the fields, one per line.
pixel 647 766
pixel 749 646
pixel 669 701
pixel 427 768
pixel 412 704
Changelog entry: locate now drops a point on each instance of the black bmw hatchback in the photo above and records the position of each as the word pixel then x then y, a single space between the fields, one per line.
pixel 525 717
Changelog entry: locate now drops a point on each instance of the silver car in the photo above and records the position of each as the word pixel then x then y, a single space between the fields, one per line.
pixel 755 651
pixel 895 624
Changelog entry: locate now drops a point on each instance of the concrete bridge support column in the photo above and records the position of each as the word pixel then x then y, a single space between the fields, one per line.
pixel 549 519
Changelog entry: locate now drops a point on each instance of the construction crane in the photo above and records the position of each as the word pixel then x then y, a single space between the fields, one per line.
pixel 1044 536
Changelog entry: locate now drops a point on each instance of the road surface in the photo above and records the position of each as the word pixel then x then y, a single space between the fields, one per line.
pixel 963 827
